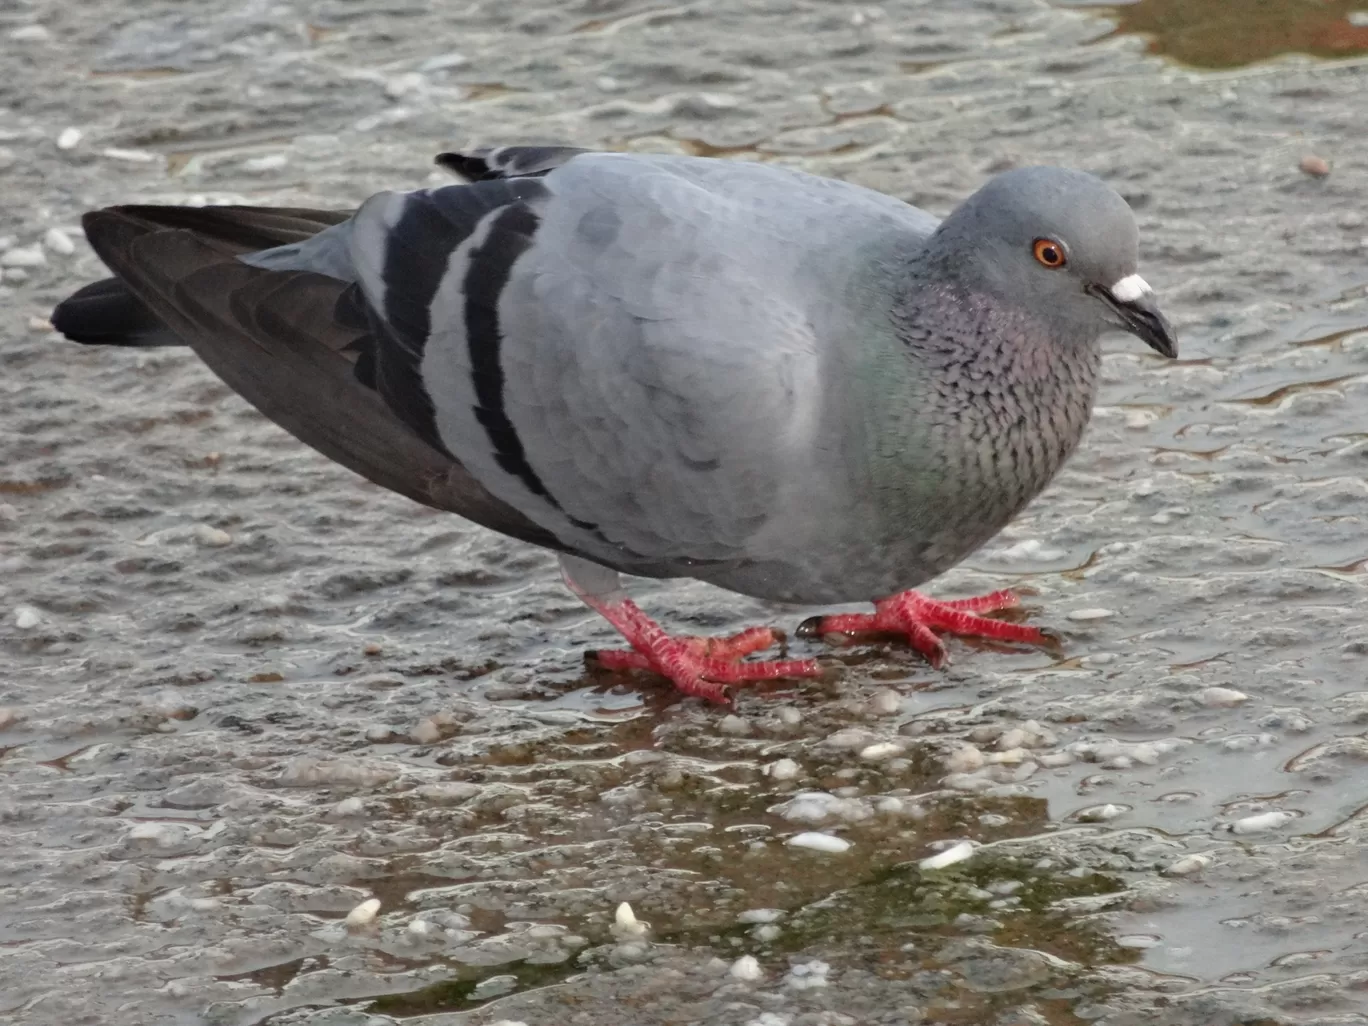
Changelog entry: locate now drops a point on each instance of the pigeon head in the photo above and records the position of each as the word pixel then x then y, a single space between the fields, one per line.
pixel 1048 238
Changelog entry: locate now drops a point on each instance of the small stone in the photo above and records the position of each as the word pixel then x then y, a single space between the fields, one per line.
pixel 349 806
pixel 26 618
pixel 761 915
pixel 426 732
pixel 212 537
pixel 172 704
pixel 444 62
pixel 23 256
pixel 1188 865
pixel 9 716
pixel 746 968
pixel 271 162
pixel 1054 760
pixel 39 324
pixel 59 242
pixel 363 915
pixel 782 769
pixel 819 842
pixel 965 759
pixel 130 156
pixel 734 725
pixel 1101 813
pixel 626 924
pixel 30 34
pixel 69 139
pixel 957 852
pixel 448 791
pixel 883 750
pixel 788 716
pixel 370 648
pixel 1314 166
pixel 1090 614
pixel 1223 697
pixel 885 702
pixel 1262 822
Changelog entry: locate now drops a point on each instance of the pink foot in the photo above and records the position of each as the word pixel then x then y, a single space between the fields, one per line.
pixel 697 666
pixel 914 616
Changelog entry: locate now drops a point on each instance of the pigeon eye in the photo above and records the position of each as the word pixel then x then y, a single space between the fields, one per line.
pixel 1049 253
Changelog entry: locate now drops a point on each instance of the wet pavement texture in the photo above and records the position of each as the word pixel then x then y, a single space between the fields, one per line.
pixel 246 695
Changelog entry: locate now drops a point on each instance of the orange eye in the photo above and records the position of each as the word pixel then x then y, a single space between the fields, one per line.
pixel 1049 253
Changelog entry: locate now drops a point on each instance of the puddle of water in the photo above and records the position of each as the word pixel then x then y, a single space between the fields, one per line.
pixel 1233 33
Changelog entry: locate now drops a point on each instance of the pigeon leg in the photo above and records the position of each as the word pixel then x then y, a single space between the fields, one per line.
pixel 917 617
pixel 697 666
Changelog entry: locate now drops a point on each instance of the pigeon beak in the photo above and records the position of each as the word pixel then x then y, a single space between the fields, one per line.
pixel 1132 300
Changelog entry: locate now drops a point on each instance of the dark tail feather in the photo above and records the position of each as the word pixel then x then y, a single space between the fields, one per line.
pixel 107 314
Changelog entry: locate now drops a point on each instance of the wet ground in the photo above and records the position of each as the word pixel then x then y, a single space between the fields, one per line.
pixel 245 693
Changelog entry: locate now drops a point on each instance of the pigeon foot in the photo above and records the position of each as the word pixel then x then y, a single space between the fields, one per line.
pixel 703 667
pixel 917 617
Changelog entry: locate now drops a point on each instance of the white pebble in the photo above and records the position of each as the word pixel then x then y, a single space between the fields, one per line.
pixel 783 769
pixel 746 968
pixel 444 62
pixel 349 806
pixel 1054 760
pixel 760 915
pixel 1101 813
pixel 850 737
pixel 271 162
pixel 957 852
pixel 625 923
pixel 162 835
pixel 9 716
pixel 426 732
pixel 23 256
pixel 30 34
pixel 1013 738
pixel 130 156
pixel 788 716
pixel 212 537
pixel 890 806
pixel 419 927
pixel 1091 614
pixel 968 781
pixel 734 725
pixel 1262 822
pixel 1188 865
pixel 363 914
pixel 69 138
pixel 964 759
pixel 1218 697
pixel 819 842
pixel 1033 550
pixel 881 751
pixel 885 702
pixel 59 242
pixel 26 618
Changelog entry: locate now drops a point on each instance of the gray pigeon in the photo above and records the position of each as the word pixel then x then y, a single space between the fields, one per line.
pixel 784 385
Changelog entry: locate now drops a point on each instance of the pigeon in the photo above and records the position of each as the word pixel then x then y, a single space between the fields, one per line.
pixel 784 385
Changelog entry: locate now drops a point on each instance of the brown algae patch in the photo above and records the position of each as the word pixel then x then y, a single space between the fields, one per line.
pixel 1233 33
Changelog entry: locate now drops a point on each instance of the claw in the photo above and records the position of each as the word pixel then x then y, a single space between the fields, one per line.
pixel 913 615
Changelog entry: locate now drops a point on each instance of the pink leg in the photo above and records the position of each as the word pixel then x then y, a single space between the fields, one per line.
pixel 697 666
pixel 913 615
